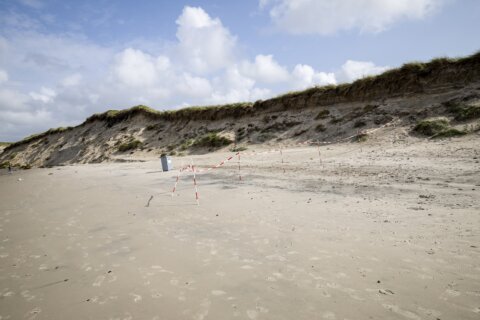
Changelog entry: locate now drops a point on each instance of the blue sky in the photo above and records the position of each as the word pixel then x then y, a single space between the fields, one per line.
pixel 61 61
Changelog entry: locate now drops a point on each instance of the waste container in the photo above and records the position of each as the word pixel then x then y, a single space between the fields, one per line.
pixel 166 163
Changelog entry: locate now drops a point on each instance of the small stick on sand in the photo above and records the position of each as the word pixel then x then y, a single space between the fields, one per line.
pixel 148 203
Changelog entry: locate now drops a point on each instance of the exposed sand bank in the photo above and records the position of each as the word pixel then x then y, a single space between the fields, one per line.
pixel 379 230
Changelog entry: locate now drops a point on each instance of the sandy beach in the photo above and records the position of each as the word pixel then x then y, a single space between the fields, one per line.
pixel 381 230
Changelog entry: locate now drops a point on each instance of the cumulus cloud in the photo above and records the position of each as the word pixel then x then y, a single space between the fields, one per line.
pixel 304 76
pixel 60 79
pixel 326 17
pixel 353 70
pixel 32 3
pixel 204 43
pixel 3 76
pixel 72 80
pixel 44 95
pixel 265 69
pixel 12 100
pixel 136 68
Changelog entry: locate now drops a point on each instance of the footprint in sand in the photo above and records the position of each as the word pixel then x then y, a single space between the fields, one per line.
pixel 27 296
pixel 252 314
pixel 449 293
pixel 329 315
pixel 8 294
pixel 98 281
pixel 136 297
pixel 204 309
pixel 32 314
pixel 396 309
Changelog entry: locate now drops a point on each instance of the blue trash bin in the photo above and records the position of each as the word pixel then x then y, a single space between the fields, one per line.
pixel 166 163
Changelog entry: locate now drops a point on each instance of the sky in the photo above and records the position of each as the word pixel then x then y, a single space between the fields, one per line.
pixel 61 61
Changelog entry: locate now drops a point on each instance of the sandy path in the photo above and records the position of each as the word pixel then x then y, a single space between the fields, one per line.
pixel 373 232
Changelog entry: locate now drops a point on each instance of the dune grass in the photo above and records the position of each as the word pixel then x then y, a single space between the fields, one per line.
pixel 432 127
pixel 130 145
pixel 212 140
pixel 437 128
pixel 463 112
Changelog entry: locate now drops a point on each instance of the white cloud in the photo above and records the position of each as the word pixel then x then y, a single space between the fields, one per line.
pixel 196 87
pixel 12 100
pixel 45 95
pixel 353 70
pixel 327 17
pixel 72 80
pixel 60 79
pixel 32 3
pixel 265 69
pixel 136 68
pixel 304 76
pixel 204 43
pixel 3 76
pixel 234 86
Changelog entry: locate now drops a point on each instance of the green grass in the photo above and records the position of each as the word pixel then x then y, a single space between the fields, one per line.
pixel 130 145
pixel 462 112
pixel 322 114
pixel 359 124
pixel 361 137
pixel 411 77
pixel 336 120
pixel 238 149
pixel 5 144
pixel 431 127
pixel 35 137
pixel 4 164
pixel 212 140
pixel 450 132
pixel 320 128
pixel 437 128
pixel 186 144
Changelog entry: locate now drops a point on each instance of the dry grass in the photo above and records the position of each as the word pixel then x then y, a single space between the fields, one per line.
pixel 212 140
pixel 130 145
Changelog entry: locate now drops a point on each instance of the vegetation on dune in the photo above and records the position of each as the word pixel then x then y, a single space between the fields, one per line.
pixel 212 140
pixel 322 114
pixel 432 127
pixel 5 144
pixel 411 77
pixel 186 144
pixel 320 128
pixel 450 132
pixel 238 148
pixel 112 117
pixel 359 124
pixel 462 112
pixel 35 137
pixel 130 145
pixel 361 137
pixel 4 164
pixel 437 128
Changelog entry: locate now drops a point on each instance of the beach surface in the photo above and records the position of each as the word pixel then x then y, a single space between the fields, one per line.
pixel 376 230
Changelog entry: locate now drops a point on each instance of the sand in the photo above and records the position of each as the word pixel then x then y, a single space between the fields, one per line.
pixel 381 230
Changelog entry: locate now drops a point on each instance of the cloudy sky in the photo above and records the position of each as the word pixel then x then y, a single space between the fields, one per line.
pixel 61 61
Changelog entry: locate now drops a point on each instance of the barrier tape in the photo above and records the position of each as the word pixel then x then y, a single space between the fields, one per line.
pixel 195 170
pixel 195 184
